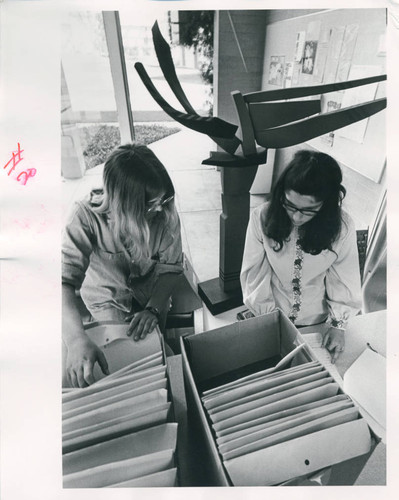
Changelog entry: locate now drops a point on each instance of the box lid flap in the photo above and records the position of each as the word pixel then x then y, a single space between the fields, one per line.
pixel 365 383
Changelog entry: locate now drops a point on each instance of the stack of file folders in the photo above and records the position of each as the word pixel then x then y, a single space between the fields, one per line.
pixel 119 432
pixel 271 426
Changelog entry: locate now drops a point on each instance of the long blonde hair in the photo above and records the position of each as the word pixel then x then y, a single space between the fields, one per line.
pixel 132 177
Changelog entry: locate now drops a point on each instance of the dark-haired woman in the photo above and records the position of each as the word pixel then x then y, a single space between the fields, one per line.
pixel 301 252
pixel 122 249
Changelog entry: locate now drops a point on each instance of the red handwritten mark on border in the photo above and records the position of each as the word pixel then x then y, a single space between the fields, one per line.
pixel 16 158
pixel 31 172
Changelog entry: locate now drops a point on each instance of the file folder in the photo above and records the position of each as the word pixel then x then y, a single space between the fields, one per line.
pixel 139 404
pixel 273 391
pixel 164 479
pixel 300 456
pixel 114 428
pixel 257 431
pixel 123 470
pixel 287 403
pixel 279 397
pixel 254 386
pixel 279 415
pixel 129 391
pixel 114 362
pixel 322 423
pixel 105 383
pixel 115 432
pixel 269 374
pixel 145 442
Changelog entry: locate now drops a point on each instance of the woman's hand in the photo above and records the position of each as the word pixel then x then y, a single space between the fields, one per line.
pixel 334 342
pixel 81 358
pixel 142 324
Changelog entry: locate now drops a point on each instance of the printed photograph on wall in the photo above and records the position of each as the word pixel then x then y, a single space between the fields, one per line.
pixel 288 73
pixel 276 70
pixel 309 56
pixel 299 45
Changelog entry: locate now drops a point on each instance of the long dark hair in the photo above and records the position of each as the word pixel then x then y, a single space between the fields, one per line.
pixel 314 174
pixel 132 177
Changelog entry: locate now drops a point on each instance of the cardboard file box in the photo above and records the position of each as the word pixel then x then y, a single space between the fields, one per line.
pixel 213 358
pixel 119 432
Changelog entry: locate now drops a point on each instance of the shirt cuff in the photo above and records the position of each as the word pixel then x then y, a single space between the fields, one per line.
pixel 337 323
pixel 162 268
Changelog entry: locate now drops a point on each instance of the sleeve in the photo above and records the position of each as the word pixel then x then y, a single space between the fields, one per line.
pixel 170 250
pixel 77 245
pixel 256 271
pixel 343 287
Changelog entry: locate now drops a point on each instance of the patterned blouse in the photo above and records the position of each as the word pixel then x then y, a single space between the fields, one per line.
pixel 309 289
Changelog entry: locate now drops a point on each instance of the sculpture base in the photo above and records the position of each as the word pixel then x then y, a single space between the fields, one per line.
pixel 216 299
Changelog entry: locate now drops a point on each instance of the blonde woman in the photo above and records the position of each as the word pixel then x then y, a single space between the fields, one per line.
pixel 122 250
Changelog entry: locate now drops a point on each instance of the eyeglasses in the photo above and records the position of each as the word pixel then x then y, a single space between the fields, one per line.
pixel 304 211
pixel 153 207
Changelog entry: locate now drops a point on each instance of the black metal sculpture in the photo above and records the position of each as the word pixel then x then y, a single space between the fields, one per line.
pixel 264 124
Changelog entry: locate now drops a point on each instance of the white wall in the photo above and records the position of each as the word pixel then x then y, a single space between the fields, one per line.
pixel 362 163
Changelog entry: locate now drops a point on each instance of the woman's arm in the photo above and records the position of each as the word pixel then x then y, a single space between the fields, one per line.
pixel 163 290
pixel 145 321
pixel 256 271
pixel 343 289
pixel 82 353
pixel 168 269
